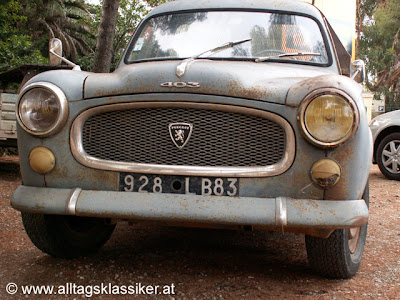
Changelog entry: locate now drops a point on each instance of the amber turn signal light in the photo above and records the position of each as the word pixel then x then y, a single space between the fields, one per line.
pixel 42 160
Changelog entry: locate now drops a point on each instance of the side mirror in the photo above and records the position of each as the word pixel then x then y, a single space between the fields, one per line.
pixel 55 55
pixel 358 70
pixel 55 52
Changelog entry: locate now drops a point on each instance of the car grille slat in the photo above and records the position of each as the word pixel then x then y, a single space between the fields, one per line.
pixel 219 138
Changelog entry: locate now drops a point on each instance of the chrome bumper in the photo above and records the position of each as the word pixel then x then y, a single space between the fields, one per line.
pixel 281 211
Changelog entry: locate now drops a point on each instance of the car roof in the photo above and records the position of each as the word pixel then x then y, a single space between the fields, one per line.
pixel 274 5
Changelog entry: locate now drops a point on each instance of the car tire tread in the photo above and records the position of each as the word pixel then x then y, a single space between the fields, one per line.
pixel 381 146
pixel 331 257
pixel 47 232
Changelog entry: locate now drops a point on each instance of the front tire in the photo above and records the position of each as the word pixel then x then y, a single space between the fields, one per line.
pixel 388 156
pixel 66 236
pixel 338 256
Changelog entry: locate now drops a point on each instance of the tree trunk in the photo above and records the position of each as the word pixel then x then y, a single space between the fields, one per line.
pixel 104 45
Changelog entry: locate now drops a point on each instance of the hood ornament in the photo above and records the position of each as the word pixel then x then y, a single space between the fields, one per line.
pixel 180 133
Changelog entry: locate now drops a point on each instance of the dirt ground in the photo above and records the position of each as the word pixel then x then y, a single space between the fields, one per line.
pixel 207 264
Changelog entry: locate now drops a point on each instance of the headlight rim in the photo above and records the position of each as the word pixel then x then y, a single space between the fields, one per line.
pixel 63 108
pixel 323 92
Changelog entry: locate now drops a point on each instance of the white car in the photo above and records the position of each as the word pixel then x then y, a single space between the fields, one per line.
pixel 386 133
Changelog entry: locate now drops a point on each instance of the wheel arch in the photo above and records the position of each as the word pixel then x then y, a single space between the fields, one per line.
pixel 384 133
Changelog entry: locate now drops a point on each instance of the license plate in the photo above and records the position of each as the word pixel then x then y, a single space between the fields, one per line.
pixel 207 186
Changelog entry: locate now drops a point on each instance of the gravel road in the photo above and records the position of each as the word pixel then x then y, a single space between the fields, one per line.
pixel 205 264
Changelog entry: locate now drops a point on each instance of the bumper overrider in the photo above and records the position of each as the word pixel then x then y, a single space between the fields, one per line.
pixel 270 212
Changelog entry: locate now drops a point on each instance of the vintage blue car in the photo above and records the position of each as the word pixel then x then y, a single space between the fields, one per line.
pixel 226 114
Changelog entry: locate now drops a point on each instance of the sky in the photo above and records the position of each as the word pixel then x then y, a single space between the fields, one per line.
pixel 93 1
pixel 342 16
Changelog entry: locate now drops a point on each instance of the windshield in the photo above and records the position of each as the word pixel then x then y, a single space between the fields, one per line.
pixel 183 35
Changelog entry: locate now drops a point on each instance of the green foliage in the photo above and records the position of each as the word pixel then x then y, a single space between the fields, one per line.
pixel 63 19
pixel 387 18
pixel 16 48
pixel 366 9
pixel 27 26
pixel 380 48
pixel 9 15
pixel 130 15
pixel 86 62
pixel 154 3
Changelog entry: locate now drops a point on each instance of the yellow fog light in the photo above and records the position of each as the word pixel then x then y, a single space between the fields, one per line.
pixel 42 160
pixel 325 173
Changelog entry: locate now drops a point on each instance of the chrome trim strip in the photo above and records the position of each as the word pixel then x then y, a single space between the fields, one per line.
pixel 272 170
pixel 63 113
pixel 280 211
pixel 71 202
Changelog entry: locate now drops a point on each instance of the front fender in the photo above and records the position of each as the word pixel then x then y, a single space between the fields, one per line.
pixel 355 156
pixel 300 90
pixel 69 81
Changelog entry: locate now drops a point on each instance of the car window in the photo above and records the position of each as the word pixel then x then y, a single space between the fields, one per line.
pixel 183 35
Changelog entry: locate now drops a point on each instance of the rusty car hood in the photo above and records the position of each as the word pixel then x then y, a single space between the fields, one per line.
pixel 266 81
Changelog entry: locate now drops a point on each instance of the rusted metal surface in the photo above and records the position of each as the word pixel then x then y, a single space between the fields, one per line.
pixel 263 81
pixel 303 88
pixel 26 143
pixel 191 208
pixel 68 173
pixel 40 200
pixel 355 158
pixel 71 82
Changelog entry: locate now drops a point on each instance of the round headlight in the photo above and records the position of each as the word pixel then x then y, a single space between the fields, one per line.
pixel 42 108
pixel 329 118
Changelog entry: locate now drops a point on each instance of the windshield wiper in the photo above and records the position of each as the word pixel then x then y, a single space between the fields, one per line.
pixel 180 70
pixel 261 59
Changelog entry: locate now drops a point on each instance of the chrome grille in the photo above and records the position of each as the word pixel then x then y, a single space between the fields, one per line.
pixel 219 138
